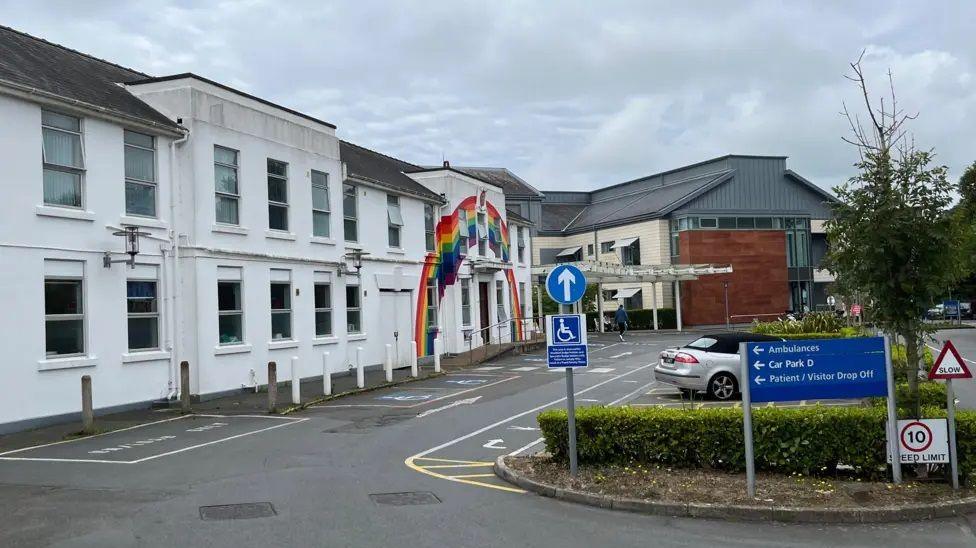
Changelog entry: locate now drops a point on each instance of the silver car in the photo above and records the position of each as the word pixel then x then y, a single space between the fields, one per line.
pixel 708 364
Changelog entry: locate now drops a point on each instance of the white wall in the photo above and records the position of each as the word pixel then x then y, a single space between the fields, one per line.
pixel 32 232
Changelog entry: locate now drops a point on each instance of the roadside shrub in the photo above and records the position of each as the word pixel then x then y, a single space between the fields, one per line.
pixel 639 319
pixel 811 440
pixel 814 322
pixel 931 394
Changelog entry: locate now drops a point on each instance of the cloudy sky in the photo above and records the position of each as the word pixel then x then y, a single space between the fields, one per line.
pixel 569 95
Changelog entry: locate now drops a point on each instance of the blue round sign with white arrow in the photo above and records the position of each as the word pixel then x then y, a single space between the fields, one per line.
pixel 566 284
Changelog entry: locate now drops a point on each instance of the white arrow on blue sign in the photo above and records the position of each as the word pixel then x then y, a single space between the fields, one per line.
pixel 566 284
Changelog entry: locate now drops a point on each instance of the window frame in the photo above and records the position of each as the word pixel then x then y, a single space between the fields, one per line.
pixel 500 301
pixel 432 298
pixel 322 310
pixel 67 317
pixel 236 197
pixel 393 215
pixel 463 231
pixel 482 223
pixel 352 191
pixel 287 309
pixel 520 242
pixel 606 247
pixel 154 184
pixel 233 312
pixel 358 310
pixel 465 307
pixel 328 204
pixel 274 203
pixel 430 241
pixel 142 315
pixel 74 170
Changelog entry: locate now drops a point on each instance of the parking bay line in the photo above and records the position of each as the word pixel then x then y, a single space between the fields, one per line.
pixel 289 422
pixel 409 461
pixel 425 402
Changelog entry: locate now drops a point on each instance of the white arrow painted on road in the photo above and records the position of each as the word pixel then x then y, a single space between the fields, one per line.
pixel 566 279
pixel 621 355
pixel 760 380
pixel 523 428
pixel 756 350
pixel 493 444
pixel 467 401
pixel 759 365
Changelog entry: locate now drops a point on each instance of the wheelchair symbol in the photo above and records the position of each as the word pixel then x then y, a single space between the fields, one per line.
pixel 564 334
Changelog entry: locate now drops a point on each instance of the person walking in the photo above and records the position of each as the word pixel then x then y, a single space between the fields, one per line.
pixel 621 318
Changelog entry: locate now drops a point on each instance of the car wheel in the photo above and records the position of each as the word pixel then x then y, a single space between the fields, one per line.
pixel 722 387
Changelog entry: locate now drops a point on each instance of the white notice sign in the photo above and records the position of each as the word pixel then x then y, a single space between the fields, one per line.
pixel 923 441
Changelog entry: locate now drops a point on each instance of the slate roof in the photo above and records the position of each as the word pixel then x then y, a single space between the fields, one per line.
pixel 510 183
pixel 37 63
pixel 368 165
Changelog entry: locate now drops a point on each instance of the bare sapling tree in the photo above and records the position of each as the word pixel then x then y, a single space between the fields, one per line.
pixel 892 236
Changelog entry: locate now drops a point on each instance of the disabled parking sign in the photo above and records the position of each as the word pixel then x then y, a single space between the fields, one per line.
pixel 566 341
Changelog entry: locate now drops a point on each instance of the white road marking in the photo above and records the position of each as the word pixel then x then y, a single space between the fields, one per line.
pixel 520 415
pixel 467 401
pixel 631 394
pixel 606 347
pixel 600 370
pixel 439 398
pixel 588 400
pixel 289 421
pixel 493 444
pixel 523 428
pixel 524 368
pixel 622 354
pixel 487 368
pixel 526 447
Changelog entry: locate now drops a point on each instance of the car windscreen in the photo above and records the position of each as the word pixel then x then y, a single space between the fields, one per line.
pixel 702 343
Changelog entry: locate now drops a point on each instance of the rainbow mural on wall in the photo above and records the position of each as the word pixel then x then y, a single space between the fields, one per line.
pixel 442 265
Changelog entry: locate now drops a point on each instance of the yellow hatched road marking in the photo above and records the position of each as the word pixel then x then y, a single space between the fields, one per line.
pixel 466 476
pixel 410 462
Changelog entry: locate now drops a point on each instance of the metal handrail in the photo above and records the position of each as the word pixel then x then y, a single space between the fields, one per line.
pixel 471 334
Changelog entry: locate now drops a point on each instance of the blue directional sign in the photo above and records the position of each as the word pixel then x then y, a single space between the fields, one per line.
pixel 816 369
pixel 566 284
pixel 566 341
pixel 950 308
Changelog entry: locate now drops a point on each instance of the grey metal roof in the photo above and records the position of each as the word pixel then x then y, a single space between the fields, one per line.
pixel 556 217
pixel 510 183
pixel 369 165
pixel 36 63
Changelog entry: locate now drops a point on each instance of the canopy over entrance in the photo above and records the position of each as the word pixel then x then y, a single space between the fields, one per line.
pixel 599 273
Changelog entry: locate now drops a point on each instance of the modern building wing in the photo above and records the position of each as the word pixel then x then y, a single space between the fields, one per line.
pixel 748 211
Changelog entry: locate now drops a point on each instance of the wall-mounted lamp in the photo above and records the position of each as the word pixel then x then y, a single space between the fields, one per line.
pixel 131 235
pixel 356 257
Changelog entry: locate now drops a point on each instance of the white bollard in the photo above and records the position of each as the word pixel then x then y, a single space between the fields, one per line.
pixel 360 378
pixel 437 355
pixel 296 382
pixel 326 375
pixel 413 359
pixel 388 364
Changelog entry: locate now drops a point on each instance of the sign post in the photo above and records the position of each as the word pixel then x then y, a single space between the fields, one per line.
pixel 566 340
pixel 811 370
pixel 948 366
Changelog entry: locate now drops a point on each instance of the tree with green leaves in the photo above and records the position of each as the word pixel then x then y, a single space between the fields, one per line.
pixel 967 189
pixel 892 236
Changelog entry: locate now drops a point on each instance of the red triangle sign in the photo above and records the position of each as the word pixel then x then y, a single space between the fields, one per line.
pixel 950 365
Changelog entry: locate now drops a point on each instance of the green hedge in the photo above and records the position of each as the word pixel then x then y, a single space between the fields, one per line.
pixel 640 319
pixel 811 440
pixel 931 394
pixel 803 336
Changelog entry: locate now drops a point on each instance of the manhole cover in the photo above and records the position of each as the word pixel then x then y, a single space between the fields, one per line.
pixel 247 510
pixel 405 499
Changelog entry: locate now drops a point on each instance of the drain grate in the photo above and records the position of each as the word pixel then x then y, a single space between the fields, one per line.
pixel 247 510
pixel 409 498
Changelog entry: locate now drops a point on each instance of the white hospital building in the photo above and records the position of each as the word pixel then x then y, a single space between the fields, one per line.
pixel 261 236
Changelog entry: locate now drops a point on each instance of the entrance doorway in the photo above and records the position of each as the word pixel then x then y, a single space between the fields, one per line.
pixel 483 306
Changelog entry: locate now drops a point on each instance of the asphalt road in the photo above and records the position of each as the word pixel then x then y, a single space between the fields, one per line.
pixel 965 342
pixel 325 473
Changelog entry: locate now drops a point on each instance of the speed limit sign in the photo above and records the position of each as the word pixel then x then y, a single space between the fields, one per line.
pixel 923 441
